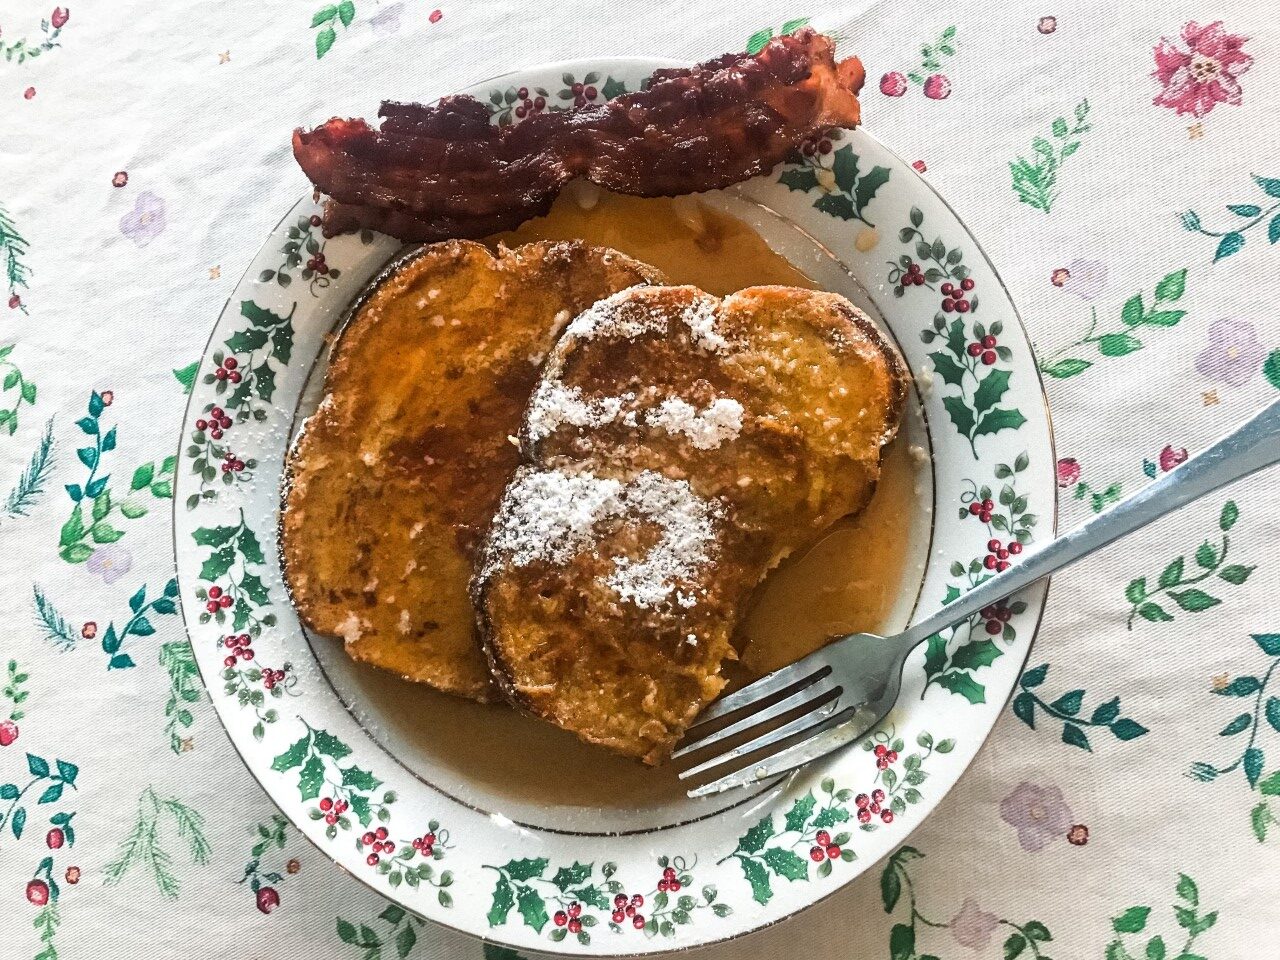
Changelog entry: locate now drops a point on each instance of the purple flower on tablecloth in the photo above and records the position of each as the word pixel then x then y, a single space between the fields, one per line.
pixel 1037 813
pixel 973 927
pixel 110 563
pixel 1083 278
pixel 1234 353
pixel 145 221
pixel 387 20
pixel 1205 74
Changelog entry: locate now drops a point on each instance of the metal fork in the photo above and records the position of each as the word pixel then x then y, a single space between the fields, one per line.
pixel 846 688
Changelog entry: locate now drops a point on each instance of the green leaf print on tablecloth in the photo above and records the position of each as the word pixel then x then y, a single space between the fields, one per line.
pixel 144 844
pixel 13 380
pixel 971 927
pixel 1122 340
pixel 1250 215
pixel 327 18
pixel 184 689
pixel 264 882
pixel 13 250
pixel 1262 712
pixel 757 41
pixel 94 507
pixel 30 485
pixel 1067 708
pixel 398 940
pixel 1184 588
pixel 1131 929
pixel 1035 179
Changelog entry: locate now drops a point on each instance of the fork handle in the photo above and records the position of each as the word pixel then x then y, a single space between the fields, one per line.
pixel 1250 447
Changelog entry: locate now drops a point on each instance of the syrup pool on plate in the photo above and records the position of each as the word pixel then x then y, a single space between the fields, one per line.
pixel 863 574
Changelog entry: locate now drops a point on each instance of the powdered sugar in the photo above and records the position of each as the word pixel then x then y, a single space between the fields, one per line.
pixel 554 404
pixel 625 317
pixel 550 516
pixel 706 429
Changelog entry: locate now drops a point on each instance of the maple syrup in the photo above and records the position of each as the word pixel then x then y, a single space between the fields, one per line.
pixel 858 576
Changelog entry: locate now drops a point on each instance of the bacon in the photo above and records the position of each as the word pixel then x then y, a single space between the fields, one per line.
pixel 434 172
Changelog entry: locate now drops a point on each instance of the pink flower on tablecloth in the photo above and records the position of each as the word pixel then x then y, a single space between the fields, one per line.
pixel 972 927
pixel 1038 814
pixel 1205 74
pixel 145 221
pixel 1170 458
pixel 1068 471
pixel 110 563
pixel 1234 352
pixel 1083 278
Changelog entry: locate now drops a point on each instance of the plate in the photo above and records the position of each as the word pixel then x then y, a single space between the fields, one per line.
pixel 355 758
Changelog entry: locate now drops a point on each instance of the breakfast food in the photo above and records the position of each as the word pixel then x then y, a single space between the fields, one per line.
pixel 432 172
pixel 676 447
pixel 396 475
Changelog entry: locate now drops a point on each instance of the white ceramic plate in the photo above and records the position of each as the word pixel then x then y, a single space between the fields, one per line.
pixel 351 755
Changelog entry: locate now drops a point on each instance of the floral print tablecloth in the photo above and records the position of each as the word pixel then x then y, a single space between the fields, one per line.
pixel 1121 164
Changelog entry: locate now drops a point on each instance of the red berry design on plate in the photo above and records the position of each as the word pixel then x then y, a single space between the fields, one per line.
pixel 368 838
pixel 268 899
pixel 833 852
pixel 822 838
pixel 877 795
pixel 861 800
pixel 638 921
pixel 38 892
pixel 886 815
pixel 937 87
pixel 619 916
pixel 864 815
pixel 372 859
pixel 1015 547
pixel 893 84
pixel 816 854
pixel 620 901
pixel 560 919
pixel 381 833
pixel 575 926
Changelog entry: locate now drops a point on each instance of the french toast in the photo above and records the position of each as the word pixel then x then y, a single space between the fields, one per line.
pixel 676 448
pixel 394 478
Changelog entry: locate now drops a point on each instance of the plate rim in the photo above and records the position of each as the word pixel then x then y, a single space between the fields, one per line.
pixel 645 63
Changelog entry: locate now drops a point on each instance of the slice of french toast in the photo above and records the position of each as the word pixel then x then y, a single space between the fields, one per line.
pixel 676 448
pixel 394 478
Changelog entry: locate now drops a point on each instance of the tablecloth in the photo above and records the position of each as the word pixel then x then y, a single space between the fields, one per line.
pixel 1121 165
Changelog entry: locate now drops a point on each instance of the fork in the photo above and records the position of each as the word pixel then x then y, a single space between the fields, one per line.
pixel 844 690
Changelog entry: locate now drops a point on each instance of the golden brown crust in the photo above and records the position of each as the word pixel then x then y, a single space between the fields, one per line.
pixel 731 432
pixel 396 475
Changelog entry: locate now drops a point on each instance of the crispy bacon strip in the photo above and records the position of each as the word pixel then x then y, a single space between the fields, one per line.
pixel 443 171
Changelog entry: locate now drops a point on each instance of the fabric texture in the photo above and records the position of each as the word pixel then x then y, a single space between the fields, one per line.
pixel 1121 166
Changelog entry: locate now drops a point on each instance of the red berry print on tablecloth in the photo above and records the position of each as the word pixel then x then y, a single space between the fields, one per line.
pixel 935 84
pixel 120 179
pixel 29 93
pixel 571 901
pixel 13 251
pixel 1078 835
pixel 919 166
pixel 264 883
pixel 1201 70
pixel 1035 178
pixel 435 16
pixel 1047 25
